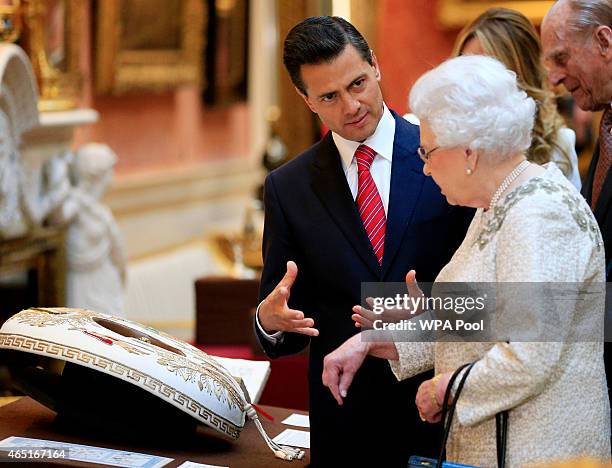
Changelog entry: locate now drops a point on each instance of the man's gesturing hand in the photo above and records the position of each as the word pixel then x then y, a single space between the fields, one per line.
pixel 275 314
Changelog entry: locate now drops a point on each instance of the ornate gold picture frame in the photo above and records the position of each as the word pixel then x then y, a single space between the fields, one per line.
pixel 458 13
pixel 148 45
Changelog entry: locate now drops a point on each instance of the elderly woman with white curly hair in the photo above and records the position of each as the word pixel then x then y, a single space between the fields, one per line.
pixel 531 225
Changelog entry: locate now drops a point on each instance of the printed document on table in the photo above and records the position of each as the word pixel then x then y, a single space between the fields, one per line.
pixel 190 464
pixel 254 374
pixel 86 453
pixel 301 420
pixel 294 438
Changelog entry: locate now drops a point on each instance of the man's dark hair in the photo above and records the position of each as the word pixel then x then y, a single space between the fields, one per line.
pixel 320 39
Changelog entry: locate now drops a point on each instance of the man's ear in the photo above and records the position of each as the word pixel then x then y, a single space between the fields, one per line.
pixel 305 98
pixel 375 65
pixel 603 38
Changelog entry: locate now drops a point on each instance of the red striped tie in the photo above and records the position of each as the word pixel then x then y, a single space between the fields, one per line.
pixel 605 156
pixel 370 205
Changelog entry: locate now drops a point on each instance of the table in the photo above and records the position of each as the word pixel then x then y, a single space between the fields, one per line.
pixel 28 418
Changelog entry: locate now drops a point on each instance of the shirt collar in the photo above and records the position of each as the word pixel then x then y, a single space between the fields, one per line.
pixel 380 141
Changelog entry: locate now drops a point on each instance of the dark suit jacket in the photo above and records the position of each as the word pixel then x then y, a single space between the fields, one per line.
pixel 311 218
pixel 603 215
pixel 603 210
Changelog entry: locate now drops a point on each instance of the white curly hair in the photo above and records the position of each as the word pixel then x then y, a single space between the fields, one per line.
pixel 474 101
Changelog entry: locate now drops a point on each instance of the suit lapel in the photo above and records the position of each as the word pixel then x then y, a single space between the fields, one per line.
pixel 587 188
pixel 407 180
pixel 330 185
pixel 603 202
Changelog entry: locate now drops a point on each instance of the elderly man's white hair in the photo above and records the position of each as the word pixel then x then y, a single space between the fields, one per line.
pixel 586 15
pixel 474 102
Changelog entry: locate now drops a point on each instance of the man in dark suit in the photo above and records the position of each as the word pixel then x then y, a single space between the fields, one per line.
pixel 577 49
pixel 355 207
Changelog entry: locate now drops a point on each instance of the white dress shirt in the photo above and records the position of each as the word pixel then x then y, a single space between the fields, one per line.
pixel 381 141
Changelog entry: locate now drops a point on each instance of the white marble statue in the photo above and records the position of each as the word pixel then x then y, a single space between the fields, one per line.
pixel 96 263
pixel 18 115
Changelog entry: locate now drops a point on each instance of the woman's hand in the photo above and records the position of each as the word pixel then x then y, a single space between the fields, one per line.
pixel 430 396
pixel 365 318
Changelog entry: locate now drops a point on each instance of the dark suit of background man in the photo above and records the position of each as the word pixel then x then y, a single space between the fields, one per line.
pixel 577 48
pixel 312 218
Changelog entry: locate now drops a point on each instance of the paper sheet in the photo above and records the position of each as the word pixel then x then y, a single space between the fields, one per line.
pixel 76 452
pixel 301 420
pixel 253 373
pixel 190 464
pixel 294 438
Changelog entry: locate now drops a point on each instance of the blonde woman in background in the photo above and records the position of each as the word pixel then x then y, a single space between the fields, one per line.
pixel 510 37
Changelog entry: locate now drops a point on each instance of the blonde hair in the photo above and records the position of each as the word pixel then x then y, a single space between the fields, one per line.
pixel 511 38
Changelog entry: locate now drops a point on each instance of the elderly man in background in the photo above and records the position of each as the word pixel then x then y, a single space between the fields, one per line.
pixel 577 45
pixel 577 50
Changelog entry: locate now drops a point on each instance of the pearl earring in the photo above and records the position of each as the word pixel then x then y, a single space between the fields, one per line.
pixel 468 171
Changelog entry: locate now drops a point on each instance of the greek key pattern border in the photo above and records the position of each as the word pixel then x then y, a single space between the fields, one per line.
pixel 78 356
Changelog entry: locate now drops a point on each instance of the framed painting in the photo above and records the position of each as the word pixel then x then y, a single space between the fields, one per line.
pixel 148 45
pixel 458 13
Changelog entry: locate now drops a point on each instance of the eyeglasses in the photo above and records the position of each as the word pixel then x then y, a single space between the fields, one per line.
pixel 424 154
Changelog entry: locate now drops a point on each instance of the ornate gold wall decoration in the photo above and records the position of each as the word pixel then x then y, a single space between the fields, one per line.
pixel 53 44
pixel 10 21
pixel 457 13
pixel 148 45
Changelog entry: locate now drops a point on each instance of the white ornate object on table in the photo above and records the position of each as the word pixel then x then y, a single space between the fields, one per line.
pixel 112 358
